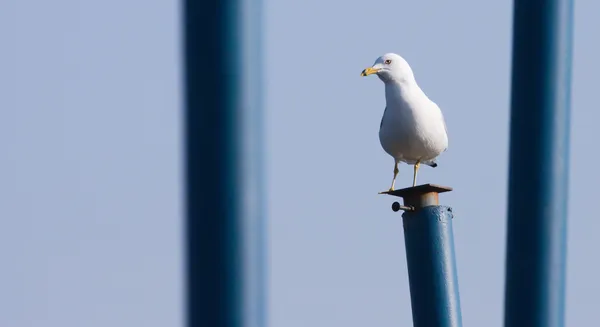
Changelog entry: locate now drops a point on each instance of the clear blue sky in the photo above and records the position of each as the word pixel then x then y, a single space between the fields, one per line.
pixel 91 224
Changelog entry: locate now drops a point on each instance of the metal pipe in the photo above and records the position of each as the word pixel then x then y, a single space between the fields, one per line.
pixel 430 257
pixel 223 148
pixel 539 163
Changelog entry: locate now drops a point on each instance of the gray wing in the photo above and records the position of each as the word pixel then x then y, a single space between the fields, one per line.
pixel 445 128
pixel 381 123
pixel 444 122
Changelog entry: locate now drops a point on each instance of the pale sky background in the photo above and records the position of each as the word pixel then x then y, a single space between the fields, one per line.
pixel 90 222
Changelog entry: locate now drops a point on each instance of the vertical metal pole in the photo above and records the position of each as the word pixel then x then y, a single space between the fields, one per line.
pixel 539 162
pixel 224 234
pixel 430 257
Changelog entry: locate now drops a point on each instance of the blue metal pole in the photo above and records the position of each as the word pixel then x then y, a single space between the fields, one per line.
pixel 539 162
pixel 430 257
pixel 223 148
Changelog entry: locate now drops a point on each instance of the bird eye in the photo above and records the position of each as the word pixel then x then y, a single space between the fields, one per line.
pixel 387 62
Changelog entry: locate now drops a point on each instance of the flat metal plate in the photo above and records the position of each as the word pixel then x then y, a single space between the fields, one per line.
pixel 418 190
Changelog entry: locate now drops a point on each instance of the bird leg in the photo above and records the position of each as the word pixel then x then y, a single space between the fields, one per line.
pixel 395 174
pixel 415 174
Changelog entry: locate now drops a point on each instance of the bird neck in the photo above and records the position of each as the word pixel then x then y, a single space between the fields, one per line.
pixel 401 90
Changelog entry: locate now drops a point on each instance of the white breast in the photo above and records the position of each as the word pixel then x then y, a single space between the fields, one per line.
pixel 412 126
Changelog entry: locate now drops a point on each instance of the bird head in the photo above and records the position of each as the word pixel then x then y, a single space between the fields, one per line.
pixel 390 67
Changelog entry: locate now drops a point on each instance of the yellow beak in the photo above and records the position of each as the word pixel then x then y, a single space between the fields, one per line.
pixel 369 71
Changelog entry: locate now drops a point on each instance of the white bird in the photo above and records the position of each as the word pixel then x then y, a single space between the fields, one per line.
pixel 412 128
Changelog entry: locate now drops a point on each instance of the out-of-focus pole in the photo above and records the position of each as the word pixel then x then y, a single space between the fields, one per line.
pixel 539 163
pixel 223 176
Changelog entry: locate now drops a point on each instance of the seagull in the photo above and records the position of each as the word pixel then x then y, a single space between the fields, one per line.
pixel 412 128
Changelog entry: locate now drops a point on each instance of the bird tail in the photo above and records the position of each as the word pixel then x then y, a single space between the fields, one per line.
pixel 431 163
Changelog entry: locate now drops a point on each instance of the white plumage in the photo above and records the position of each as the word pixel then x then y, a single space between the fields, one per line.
pixel 412 128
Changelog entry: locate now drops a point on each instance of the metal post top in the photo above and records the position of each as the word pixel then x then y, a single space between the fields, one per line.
pixel 419 196
pixel 419 190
